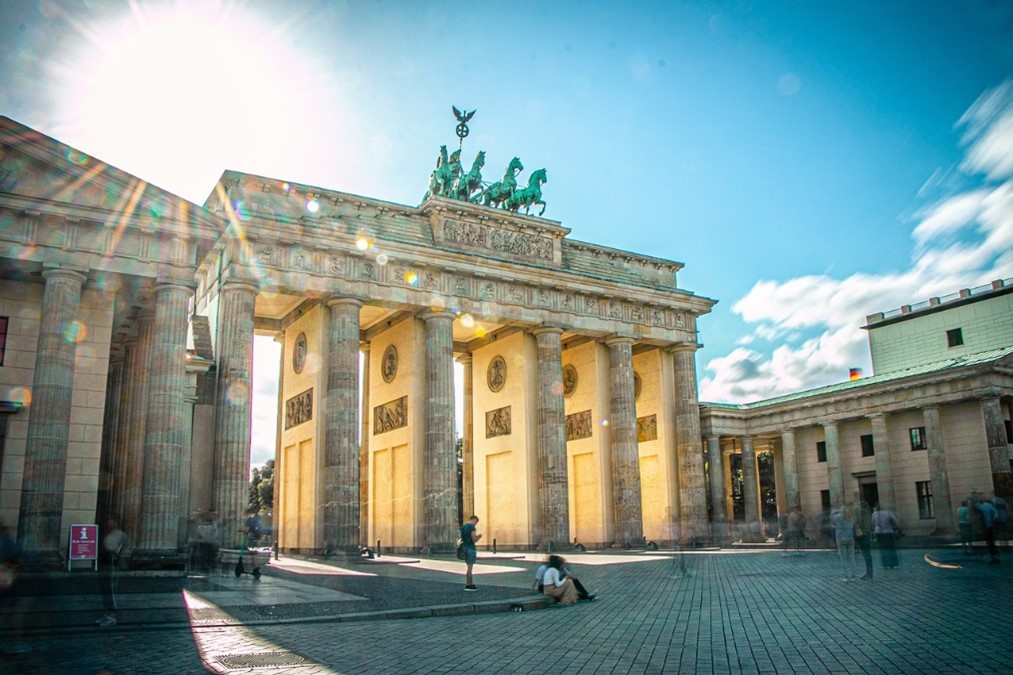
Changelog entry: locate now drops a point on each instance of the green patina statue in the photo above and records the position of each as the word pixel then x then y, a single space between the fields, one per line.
pixel 529 196
pixel 466 185
pixel 497 193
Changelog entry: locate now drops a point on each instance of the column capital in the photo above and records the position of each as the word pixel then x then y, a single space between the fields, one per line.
pixel 364 346
pixel 65 272
pixel 437 314
pixel 239 285
pixel 829 424
pixel 333 301
pixel 876 415
pixel 547 329
pixel 931 406
pixel 619 340
pixel 682 347
pixel 464 359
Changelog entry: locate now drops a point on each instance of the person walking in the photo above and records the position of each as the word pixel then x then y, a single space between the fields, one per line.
pixel 1001 516
pixel 469 537
pixel 863 535
pixel 964 524
pixel 113 544
pixel 796 528
pixel 886 527
pixel 988 518
pixel 844 533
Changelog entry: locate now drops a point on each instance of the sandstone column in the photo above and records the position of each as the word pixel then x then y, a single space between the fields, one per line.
pixel 553 495
pixel 121 447
pixel 440 468
pixel 627 509
pixel 998 458
pixel 280 425
pixel 363 448
pixel 835 473
pixel 719 512
pixel 790 462
pixel 140 376
pixel 468 438
pixel 689 452
pixel 231 483
pixel 884 464
pixel 110 428
pixel 45 469
pixel 750 488
pixel 942 505
pixel 164 424
pixel 341 433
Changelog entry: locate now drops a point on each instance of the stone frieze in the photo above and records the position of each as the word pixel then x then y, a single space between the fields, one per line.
pixel 391 415
pixel 578 425
pixel 299 409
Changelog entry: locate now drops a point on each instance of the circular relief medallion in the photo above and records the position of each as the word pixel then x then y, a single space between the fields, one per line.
pixel 388 367
pixel 496 375
pixel 299 353
pixel 636 386
pixel 569 380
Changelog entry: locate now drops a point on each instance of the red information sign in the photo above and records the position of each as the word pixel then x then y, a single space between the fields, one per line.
pixel 83 543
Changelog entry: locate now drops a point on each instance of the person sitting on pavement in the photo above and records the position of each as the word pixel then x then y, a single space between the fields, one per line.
pixel 539 587
pixel 557 583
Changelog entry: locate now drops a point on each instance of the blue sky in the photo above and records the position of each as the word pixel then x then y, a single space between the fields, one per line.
pixel 809 162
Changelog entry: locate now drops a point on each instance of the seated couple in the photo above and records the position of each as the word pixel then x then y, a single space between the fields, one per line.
pixel 553 579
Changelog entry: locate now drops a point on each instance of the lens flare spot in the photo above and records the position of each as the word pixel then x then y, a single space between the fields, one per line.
pixel 312 205
pixel 311 365
pixel 557 388
pixel 604 423
pixel 382 259
pixel 286 187
pixel 238 393
pixel 411 278
pixel 481 332
pixel 22 395
pixel 239 208
pixel 363 240
pixel 75 157
pixel 468 321
pixel 75 331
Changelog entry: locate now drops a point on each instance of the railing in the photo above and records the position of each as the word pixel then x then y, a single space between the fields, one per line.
pixel 942 300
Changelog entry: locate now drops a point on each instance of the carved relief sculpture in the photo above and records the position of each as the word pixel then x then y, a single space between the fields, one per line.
pixel 497 373
pixel 578 425
pixel 299 409
pixel 299 353
pixel 388 365
pixel 390 416
pixel 647 428
pixel 497 422
pixel 637 385
pixel 569 380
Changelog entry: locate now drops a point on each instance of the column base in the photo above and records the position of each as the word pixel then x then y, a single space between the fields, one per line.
pixel 42 561
pixel 158 560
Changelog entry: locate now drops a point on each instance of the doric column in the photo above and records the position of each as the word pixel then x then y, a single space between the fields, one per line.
pixel 689 453
pixel 363 448
pixel 164 424
pixel 835 474
pixel 553 496
pixel 719 514
pixel 884 464
pixel 231 483
pixel 49 417
pixel 627 508
pixel 942 505
pixel 790 462
pixel 998 449
pixel 110 427
pixel 341 433
pixel 140 376
pixel 440 459
pixel 120 449
pixel 468 437
pixel 750 489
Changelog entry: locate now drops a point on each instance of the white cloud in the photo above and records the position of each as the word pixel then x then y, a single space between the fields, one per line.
pixel 963 240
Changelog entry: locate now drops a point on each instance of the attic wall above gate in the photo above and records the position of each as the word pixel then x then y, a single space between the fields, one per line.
pixel 520 270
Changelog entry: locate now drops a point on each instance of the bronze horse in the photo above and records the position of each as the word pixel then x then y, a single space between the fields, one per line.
pixel 471 181
pixel 529 196
pixel 499 192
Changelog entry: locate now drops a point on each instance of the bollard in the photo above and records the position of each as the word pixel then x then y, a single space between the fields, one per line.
pixel 494 545
pixel 275 548
pixel 548 549
pixel 378 548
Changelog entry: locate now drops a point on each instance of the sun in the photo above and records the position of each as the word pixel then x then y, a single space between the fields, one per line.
pixel 177 91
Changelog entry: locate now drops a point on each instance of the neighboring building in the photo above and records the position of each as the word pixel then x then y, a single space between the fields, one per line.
pixel 930 427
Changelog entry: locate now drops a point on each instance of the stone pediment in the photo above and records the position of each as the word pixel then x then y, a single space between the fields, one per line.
pixel 40 174
pixel 471 228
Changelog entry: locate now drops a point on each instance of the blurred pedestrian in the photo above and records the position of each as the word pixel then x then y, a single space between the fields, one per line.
pixel 988 518
pixel 10 613
pixel 964 525
pixel 844 533
pixel 863 534
pixel 886 527
pixel 469 539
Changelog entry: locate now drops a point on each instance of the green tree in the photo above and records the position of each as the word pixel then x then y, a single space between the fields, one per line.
pixel 261 497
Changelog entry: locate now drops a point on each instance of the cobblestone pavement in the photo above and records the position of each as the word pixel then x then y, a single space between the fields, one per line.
pixel 727 611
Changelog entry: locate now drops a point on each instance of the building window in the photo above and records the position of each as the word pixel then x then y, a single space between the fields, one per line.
pixel 3 338
pixel 1009 430
pixel 924 490
pixel 821 451
pixel 917 438
pixel 954 337
pixel 868 449
pixel 825 500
